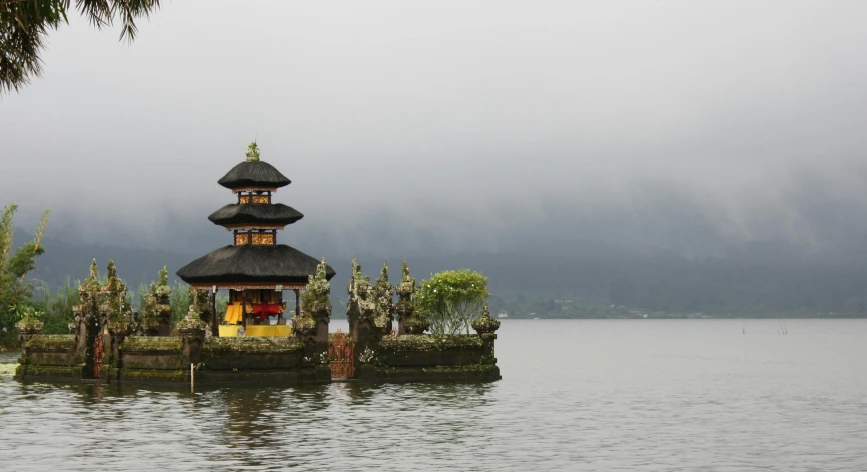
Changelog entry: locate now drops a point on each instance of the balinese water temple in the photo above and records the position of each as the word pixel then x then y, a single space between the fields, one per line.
pixel 263 338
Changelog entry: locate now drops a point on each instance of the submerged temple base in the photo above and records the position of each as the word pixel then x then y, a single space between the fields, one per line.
pixel 167 360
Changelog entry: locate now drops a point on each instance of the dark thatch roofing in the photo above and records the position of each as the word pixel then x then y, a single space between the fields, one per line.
pixel 254 174
pixel 252 213
pixel 278 264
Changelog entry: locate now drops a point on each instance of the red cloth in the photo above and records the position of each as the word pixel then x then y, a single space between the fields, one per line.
pixel 264 310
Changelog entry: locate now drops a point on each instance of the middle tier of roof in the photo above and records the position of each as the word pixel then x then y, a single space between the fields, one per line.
pixel 272 214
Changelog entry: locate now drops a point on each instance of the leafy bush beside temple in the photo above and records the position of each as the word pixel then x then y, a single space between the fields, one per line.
pixel 449 301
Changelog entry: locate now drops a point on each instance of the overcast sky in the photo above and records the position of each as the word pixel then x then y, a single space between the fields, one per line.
pixel 469 124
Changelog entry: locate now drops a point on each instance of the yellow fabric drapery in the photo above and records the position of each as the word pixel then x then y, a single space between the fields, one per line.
pixel 234 313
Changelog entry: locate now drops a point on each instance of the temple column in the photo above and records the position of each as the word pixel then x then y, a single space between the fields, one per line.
pixel 297 301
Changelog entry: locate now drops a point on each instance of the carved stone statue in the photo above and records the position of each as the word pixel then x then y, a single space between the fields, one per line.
pixel 408 321
pixel 158 309
pixel 383 304
pixel 315 301
pixel 115 310
pixel 87 309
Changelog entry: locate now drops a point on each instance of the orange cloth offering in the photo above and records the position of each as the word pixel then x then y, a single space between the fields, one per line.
pixel 234 313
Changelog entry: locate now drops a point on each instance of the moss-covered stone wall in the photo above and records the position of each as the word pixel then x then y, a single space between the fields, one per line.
pixel 50 356
pixel 254 353
pixel 411 358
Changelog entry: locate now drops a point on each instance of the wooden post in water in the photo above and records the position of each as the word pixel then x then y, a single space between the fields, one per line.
pixel 192 378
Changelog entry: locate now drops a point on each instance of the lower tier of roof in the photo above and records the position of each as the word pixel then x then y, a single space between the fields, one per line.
pixel 267 265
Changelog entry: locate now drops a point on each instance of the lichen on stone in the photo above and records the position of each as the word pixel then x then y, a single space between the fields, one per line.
pixel 252 345
pixel 362 301
pixel 252 152
pixel 406 291
pixel 115 310
pixel 89 295
pixel 153 344
pixel 315 301
pixel 157 305
pixel 384 306
pixel 485 324
pixel 192 322
pixel 30 322
pixel 52 342
pixel 429 343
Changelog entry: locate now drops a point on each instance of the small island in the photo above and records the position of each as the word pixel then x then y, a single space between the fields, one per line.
pixel 256 342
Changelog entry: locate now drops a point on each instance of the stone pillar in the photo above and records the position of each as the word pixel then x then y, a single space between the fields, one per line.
pixel 311 327
pixel 193 340
pixel 88 330
pixel 486 327
pixel 113 342
pixel 24 335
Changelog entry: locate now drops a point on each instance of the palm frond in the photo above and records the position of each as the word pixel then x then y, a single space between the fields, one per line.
pixel 24 24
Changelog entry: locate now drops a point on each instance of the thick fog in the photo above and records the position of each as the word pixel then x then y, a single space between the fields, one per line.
pixel 456 126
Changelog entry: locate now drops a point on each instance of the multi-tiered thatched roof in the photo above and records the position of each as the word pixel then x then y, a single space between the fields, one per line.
pixel 256 260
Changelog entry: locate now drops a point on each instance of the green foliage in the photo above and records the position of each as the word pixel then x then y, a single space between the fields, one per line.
pixel 451 300
pixel 30 319
pixel 24 25
pixel 15 291
pixel 180 301
pixel 57 307
pixel 222 301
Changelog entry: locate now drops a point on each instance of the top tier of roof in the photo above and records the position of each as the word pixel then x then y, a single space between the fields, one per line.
pixel 254 173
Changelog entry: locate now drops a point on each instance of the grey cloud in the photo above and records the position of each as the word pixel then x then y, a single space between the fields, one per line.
pixel 466 126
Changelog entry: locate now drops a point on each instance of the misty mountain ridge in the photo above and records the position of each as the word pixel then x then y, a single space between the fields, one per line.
pixel 757 277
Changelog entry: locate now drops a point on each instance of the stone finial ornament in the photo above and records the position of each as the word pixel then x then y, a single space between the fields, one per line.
pixel 192 322
pixel 30 322
pixel 157 305
pixel 383 304
pixel 253 152
pixel 485 324
pixel 115 310
pixel 88 297
pixel 315 301
pixel 360 305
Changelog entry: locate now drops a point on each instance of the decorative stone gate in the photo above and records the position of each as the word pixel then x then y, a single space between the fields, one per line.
pixel 341 354
pixel 98 349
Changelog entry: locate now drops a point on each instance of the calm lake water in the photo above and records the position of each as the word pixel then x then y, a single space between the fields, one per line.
pixel 626 395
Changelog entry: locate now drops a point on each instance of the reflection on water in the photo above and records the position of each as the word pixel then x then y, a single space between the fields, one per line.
pixel 576 395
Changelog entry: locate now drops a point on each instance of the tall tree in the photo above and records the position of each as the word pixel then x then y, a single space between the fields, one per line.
pixel 15 291
pixel 24 25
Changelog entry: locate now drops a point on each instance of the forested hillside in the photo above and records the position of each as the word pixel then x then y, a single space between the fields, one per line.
pixel 767 280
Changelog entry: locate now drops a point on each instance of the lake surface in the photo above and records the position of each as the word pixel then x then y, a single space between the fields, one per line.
pixel 624 395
